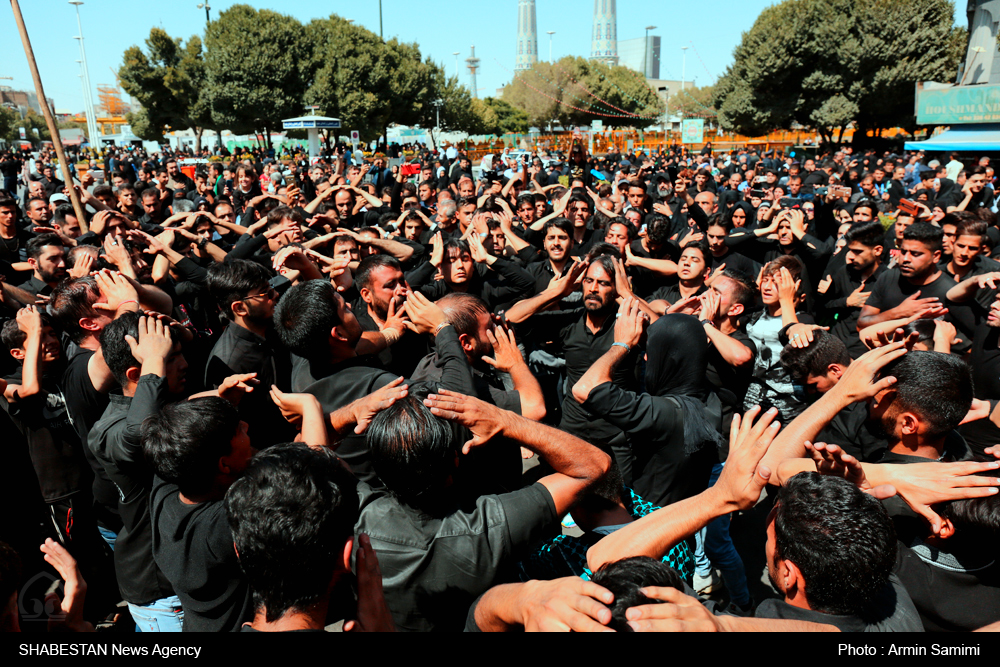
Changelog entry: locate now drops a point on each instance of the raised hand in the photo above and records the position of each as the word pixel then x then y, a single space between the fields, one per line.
pixel 743 478
pixel 68 612
pixel 630 325
pixel 154 340
pixel 116 289
pixel 234 387
pixel 484 420
pixel 506 354
pixel 373 612
pixel 364 409
pixel 834 461
pixel 425 316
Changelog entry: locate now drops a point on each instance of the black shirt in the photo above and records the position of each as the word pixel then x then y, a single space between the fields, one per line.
pixel 400 358
pixel 581 348
pixel 844 282
pixel 193 547
pixel 434 567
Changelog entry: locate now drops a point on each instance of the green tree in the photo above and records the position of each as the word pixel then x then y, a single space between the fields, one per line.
pixel 499 117
pixel 695 102
pixel 169 83
pixel 576 91
pixel 828 63
pixel 257 67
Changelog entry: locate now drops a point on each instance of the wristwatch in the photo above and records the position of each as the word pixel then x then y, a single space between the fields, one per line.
pixel 704 322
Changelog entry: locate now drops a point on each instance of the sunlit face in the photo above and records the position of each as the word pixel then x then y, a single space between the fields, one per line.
pixel 691 265
pixel 716 236
pixel 50 265
pixel 557 244
pixel 916 259
pixel 598 288
pixel 636 196
pixel 965 250
pixel 344 203
pixel 617 235
pixel 859 256
pixel 739 217
pixel 385 284
pixel 527 212
pixel 346 247
pixel 457 266
pixel 579 213
pixel 412 229
pixel 948 237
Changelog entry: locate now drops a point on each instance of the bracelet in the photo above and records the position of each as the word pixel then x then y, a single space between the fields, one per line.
pixel 708 322
pixel 391 335
pixel 441 326
pixel 128 301
pixel 625 345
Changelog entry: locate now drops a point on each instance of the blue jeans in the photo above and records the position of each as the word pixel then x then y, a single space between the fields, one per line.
pixel 720 552
pixel 164 615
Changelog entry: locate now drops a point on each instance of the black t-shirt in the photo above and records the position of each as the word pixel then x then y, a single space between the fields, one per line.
pixel 984 360
pixel 730 382
pixel 55 450
pixel 85 406
pixel 891 289
pixel 193 547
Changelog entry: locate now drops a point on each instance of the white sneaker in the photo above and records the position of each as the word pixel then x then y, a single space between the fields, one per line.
pixel 705 585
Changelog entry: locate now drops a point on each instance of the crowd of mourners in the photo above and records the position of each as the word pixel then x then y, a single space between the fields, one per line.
pixel 738 390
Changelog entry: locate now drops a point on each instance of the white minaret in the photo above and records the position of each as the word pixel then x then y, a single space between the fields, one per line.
pixel 473 63
pixel 527 35
pixel 604 41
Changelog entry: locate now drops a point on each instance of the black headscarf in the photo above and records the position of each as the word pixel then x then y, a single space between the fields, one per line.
pixel 676 363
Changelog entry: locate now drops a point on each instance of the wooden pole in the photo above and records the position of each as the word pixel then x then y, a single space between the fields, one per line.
pixel 49 120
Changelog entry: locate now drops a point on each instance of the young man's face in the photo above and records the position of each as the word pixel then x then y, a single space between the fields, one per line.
pixel 636 197
pixel 691 265
pixel 948 237
pixel 457 266
pixel 916 259
pixel 579 213
pixel 70 227
pixel 386 283
pixel 617 235
pixel 412 229
pixel 346 247
pixel 176 367
pixel 526 212
pixel 50 265
pixel 860 257
pixel 50 346
pixel 965 249
pixel 557 244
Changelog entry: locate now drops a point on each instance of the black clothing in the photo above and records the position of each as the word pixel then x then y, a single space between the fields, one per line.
pixel 434 567
pixel 400 358
pixel 674 430
pixel 116 442
pixel 849 429
pixel 891 289
pixel 581 348
pixel 844 282
pixel 35 287
pixel 193 547
pixel 337 386
pixel 238 351
pixel 730 383
pixel 951 593
pixel 510 282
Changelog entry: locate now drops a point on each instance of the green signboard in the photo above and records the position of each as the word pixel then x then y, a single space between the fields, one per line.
pixel 693 130
pixel 958 104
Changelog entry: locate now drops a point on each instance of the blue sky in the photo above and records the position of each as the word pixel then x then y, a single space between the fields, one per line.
pixel 440 27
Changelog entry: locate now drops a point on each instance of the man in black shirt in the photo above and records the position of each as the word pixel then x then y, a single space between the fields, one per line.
pixel 917 286
pixel 47 258
pixel 242 289
pixel 197 449
pixel 845 290
pixel 316 325
pixel 438 551
pixel 382 289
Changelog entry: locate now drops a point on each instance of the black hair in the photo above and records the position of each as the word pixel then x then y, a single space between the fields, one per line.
pixel 185 440
pixel 869 234
pixel 625 577
pixel 658 231
pixel 815 359
pixel 602 249
pixel 937 387
pixel 924 330
pixel 72 300
pixel 291 514
pixel 150 193
pixel 462 311
pixel 304 317
pixel 412 451
pixel 562 224
pixel 102 190
pixel 116 350
pixel 840 538
pixel 234 280
pixel 925 233
pixel 702 246
pixel 458 244
pixel 976 522
pixel 35 245
pixel 280 213
pixel 745 291
pixel 362 277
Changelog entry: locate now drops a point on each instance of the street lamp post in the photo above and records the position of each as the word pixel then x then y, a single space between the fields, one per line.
pixel 645 53
pixel 457 71
pixel 550 33
pixel 206 6
pixel 684 50
pixel 87 97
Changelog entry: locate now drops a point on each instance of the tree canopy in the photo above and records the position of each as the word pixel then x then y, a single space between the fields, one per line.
pixel 576 91
pixel 827 63
pixel 169 83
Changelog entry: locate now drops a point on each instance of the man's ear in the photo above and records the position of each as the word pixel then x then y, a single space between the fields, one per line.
pixel 18 353
pixel 239 308
pixel 337 334
pixel 909 423
pixel 33 263
pixel 467 342
pixel 133 374
pixel 366 294
pixel 89 324
pixel 835 370
pixel 878 250
pixel 735 310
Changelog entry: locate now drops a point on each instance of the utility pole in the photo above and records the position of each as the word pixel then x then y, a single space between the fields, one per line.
pixel 206 6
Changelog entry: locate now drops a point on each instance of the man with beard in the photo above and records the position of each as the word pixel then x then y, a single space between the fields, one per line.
pixel 345 200
pixel 916 286
pixel 557 243
pixel 383 290
pixel 243 292
pixel 845 290
pixel 319 327
pixel 584 334
pixel 47 258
